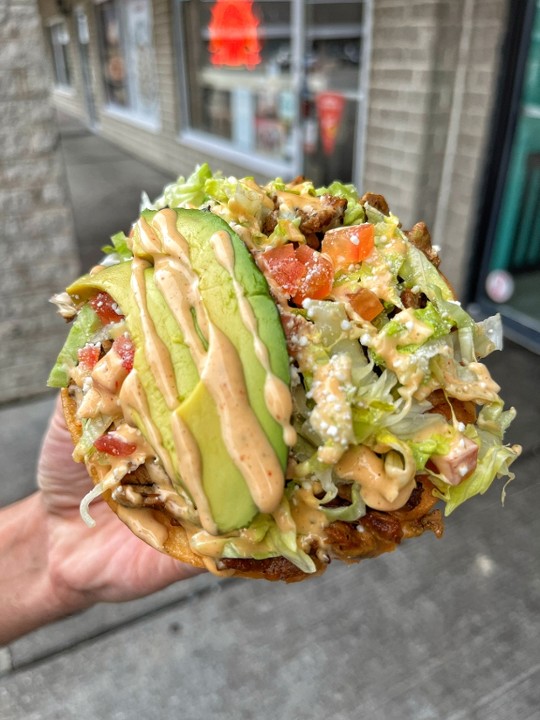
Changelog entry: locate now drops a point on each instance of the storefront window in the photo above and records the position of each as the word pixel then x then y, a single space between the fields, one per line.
pixel 333 92
pixel 59 37
pixel 127 58
pixel 237 58
pixel 274 85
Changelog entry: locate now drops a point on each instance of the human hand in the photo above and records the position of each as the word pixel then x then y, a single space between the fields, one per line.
pixel 104 563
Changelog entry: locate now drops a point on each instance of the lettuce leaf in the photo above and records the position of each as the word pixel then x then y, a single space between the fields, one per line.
pixel 119 250
pixel 190 192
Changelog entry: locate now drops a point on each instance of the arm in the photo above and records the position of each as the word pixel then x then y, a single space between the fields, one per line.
pixel 52 565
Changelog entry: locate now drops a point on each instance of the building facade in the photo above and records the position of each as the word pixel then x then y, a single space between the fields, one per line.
pixel 398 97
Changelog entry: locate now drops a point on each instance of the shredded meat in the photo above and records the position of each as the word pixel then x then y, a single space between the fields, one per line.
pixel 375 533
pixel 413 300
pixel 376 201
pixel 464 410
pixel 420 237
pixel 269 223
pixel 317 214
pixel 328 214
pixel 278 568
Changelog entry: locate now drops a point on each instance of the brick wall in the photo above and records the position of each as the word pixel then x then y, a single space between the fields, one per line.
pixel 37 248
pixel 487 26
pixel 434 66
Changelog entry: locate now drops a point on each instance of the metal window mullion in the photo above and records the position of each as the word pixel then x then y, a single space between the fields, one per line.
pixel 122 5
pixel 298 71
pixel 184 109
pixel 363 94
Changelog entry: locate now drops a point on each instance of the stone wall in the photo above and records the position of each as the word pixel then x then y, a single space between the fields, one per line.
pixel 37 249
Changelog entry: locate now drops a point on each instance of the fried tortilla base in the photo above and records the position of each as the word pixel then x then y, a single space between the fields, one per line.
pixel 375 533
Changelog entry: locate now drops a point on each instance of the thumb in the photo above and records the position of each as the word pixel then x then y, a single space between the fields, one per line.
pixel 62 481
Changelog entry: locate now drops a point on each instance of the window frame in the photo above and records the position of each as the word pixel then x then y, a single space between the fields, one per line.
pixel 129 113
pixel 64 87
pixel 206 143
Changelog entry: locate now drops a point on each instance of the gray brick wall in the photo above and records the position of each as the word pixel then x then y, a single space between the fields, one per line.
pixel 37 247
pixel 420 48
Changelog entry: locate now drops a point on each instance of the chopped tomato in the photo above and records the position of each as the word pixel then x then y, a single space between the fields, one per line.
pixel 105 308
pixel 126 349
pixel 366 304
pixel 459 463
pixel 284 267
pixel 319 276
pixel 88 356
pixel 348 245
pixel 114 445
pixel 301 273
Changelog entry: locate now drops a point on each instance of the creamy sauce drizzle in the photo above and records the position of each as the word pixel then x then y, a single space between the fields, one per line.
pixel 155 349
pixel 190 466
pixel 141 522
pixel 379 488
pixel 276 393
pixel 133 399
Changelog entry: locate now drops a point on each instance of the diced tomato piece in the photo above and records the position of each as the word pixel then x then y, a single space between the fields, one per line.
pixel 126 349
pixel 301 272
pixel 284 267
pixel 319 276
pixel 88 356
pixel 366 304
pixel 114 445
pixel 348 245
pixel 460 462
pixel 105 308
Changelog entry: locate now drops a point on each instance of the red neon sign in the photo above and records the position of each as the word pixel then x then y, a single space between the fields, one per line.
pixel 330 106
pixel 234 37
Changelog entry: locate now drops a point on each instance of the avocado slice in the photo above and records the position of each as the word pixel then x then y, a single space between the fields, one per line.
pixel 225 488
pixel 84 326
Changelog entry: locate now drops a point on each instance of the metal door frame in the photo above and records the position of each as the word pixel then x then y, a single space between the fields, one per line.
pixel 504 123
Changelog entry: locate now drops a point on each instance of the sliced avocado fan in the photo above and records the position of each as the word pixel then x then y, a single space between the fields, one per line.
pixel 225 488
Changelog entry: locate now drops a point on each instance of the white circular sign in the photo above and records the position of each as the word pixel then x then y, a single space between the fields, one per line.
pixel 499 286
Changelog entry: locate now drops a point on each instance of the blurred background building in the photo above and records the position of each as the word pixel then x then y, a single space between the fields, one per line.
pixel 433 103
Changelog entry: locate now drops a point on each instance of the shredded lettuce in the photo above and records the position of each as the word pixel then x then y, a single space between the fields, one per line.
pixel 417 271
pixel 119 250
pixel 92 428
pixel 347 513
pixel 190 192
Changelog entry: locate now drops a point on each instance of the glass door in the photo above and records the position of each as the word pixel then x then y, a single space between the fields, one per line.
pixel 510 276
pixel 277 86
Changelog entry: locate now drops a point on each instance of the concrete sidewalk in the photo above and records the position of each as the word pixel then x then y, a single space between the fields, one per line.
pixel 439 629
